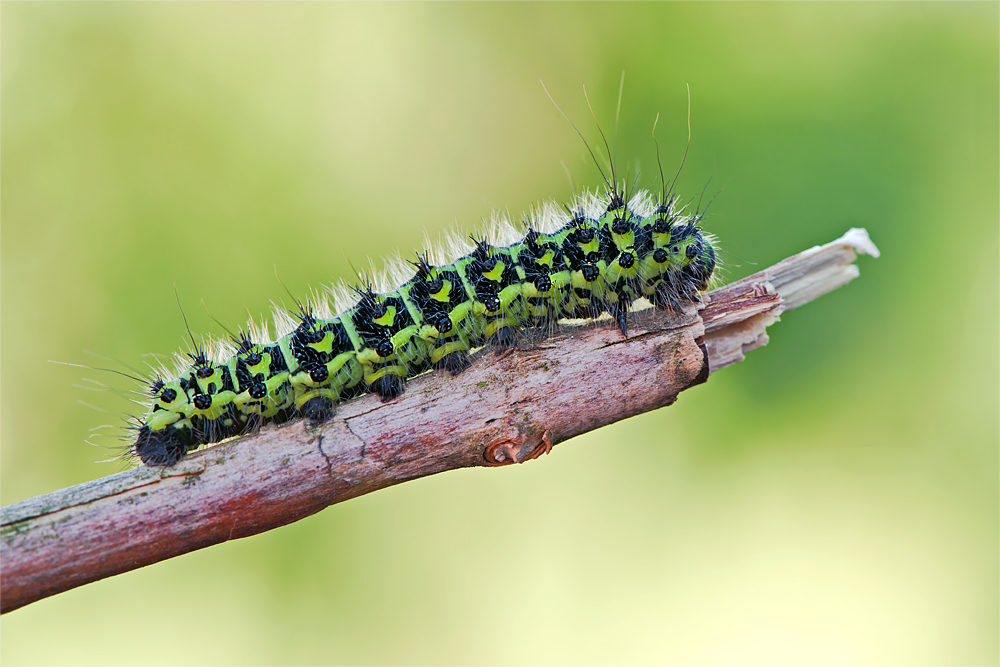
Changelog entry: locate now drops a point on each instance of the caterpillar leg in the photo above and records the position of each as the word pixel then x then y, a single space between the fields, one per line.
pixel 663 300
pixel 318 409
pixel 454 362
pixel 252 423
pixel 388 387
pixel 619 311
pixel 504 338
pixel 213 430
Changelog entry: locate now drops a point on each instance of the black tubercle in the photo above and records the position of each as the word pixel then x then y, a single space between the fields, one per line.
pixel 440 321
pixel 662 225
pixel 384 347
pixel 369 304
pixel 492 303
pixel 318 372
pixel 199 362
pixel 542 283
pixel 243 343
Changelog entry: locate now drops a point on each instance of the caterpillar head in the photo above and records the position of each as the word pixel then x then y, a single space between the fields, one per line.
pixel 686 243
pixel 692 254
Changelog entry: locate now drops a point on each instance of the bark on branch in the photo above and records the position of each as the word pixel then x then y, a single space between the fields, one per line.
pixel 506 408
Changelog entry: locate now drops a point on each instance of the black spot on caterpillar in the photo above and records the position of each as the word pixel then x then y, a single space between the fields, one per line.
pixel 599 254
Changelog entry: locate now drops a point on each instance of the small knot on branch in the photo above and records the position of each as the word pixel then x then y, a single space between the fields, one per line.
pixel 507 451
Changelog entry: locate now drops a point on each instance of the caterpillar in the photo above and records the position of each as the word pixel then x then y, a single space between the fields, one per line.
pixel 597 255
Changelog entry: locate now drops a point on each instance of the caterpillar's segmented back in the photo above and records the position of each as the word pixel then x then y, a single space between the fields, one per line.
pixel 598 255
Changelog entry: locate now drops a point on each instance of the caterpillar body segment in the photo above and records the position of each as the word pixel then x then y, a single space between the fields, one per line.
pixel 599 256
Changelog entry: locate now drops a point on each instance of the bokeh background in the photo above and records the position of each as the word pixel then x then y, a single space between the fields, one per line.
pixel 834 499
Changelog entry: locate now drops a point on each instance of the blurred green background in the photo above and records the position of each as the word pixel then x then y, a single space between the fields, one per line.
pixel 834 499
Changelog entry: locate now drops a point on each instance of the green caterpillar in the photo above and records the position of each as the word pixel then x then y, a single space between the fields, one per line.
pixel 598 255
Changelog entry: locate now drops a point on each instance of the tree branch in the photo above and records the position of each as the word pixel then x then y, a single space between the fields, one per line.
pixel 506 408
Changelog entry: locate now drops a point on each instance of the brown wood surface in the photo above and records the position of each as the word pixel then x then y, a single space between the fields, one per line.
pixel 506 408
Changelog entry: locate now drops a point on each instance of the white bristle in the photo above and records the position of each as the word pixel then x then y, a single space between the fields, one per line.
pixel 500 231
pixel 284 323
pixel 549 217
pixel 593 205
pixel 343 296
pixel 318 303
pixel 454 244
pixel 258 332
pixel 182 363
pixel 219 350
pixel 642 203
pixel 398 271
